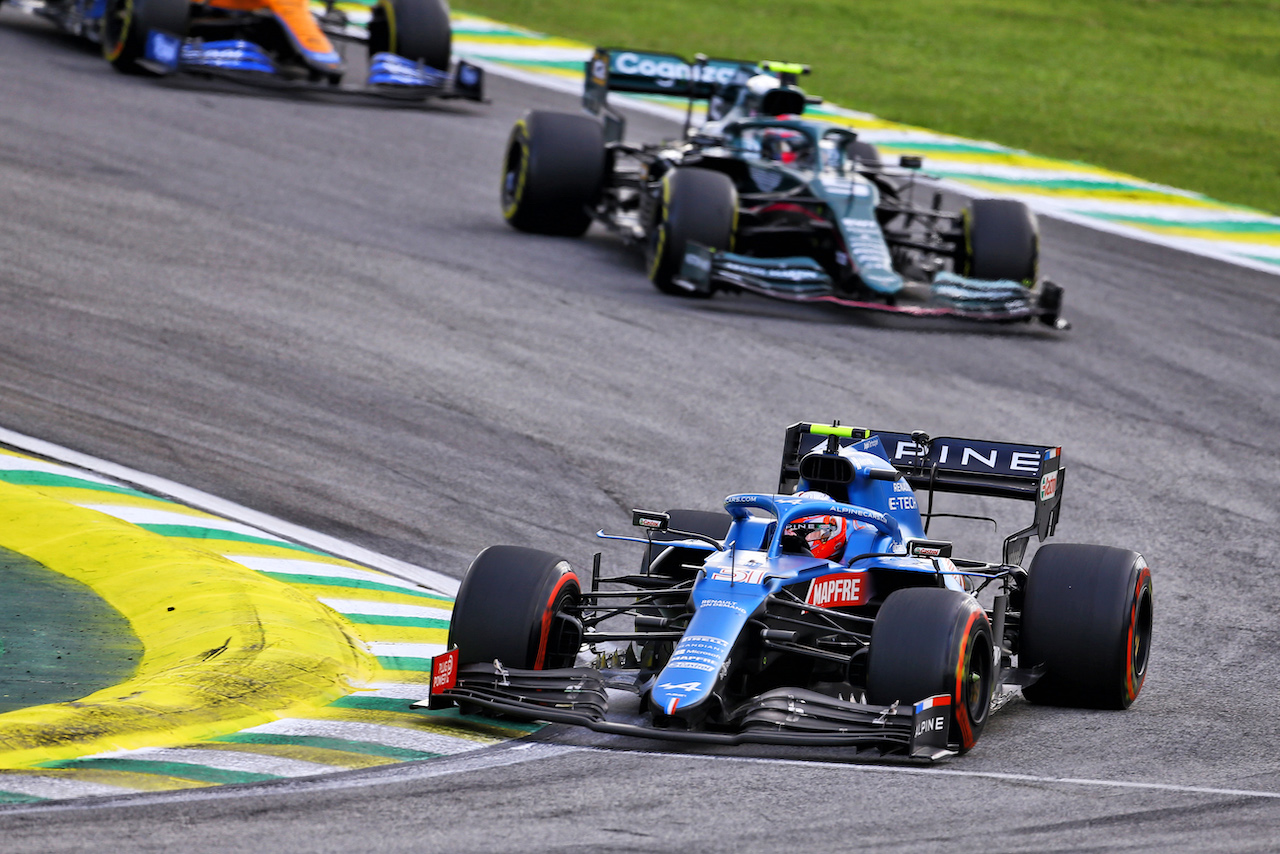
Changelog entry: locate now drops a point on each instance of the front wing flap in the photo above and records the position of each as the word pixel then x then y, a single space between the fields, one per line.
pixel 579 697
pixel 391 77
pixel 802 279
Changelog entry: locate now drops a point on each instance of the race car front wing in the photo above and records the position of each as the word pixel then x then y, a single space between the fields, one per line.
pixel 802 279
pixel 390 76
pixel 579 696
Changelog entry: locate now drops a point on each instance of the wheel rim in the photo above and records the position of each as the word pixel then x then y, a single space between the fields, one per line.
pixel 657 245
pixel 554 631
pixel 513 178
pixel 115 26
pixel 565 635
pixel 976 687
pixel 1140 649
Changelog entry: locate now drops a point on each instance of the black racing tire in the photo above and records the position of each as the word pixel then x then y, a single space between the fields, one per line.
pixel 414 29
pixel 1001 241
pixel 928 641
pixel 515 605
pixel 699 205
pixel 125 24
pixel 553 173
pixel 1087 616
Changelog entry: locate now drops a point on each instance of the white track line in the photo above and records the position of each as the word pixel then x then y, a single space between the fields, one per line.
pixel 292 566
pixel 385 609
pixel 218 506
pixel 382 776
pixel 159 516
pixel 954 772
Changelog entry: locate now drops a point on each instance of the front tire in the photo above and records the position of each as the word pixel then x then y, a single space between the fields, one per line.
pixel 553 173
pixel 699 205
pixel 125 24
pixel 517 605
pixel 414 29
pixel 928 641
pixel 1001 241
pixel 1087 617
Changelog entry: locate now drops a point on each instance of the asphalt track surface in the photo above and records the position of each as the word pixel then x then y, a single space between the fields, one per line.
pixel 317 312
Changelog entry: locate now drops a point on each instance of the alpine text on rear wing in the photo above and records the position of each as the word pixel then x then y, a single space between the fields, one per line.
pixel 948 464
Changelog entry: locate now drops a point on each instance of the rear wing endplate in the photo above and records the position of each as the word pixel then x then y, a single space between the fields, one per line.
pixel 947 464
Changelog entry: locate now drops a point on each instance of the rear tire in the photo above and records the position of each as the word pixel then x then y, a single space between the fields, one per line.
pixel 928 641
pixel 515 606
pixel 414 29
pixel 699 205
pixel 125 24
pixel 1002 241
pixel 553 173
pixel 1087 617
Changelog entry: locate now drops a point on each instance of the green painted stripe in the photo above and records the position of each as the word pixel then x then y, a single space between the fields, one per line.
pixel 464 28
pixel 1227 226
pixel 18 798
pixel 1053 183
pixel 40 478
pixel 957 147
pixel 182 770
pixel 59 640
pixel 456 716
pixel 518 38
pixel 1273 261
pixel 450 717
pixel 367 748
pixel 194 532
pixel 383 620
pixel 380 704
pixel 328 581
pixel 565 64
pixel 396 662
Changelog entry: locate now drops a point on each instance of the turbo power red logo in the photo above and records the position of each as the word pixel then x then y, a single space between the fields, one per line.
pixel 444 671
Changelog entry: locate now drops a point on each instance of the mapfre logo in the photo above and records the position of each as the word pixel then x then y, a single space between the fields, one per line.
pixel 838 591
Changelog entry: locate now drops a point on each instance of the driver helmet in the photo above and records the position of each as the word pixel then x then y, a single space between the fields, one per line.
pixel 825 536
pixel 785 146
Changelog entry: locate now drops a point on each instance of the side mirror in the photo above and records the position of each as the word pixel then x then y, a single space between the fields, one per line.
pixel 928 548
pixel 650 520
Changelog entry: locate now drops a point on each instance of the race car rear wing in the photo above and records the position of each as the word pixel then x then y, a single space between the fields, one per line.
pixel 946 464
pixel 612 69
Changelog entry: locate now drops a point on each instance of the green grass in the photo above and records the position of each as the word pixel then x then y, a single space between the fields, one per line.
pixel 1183 92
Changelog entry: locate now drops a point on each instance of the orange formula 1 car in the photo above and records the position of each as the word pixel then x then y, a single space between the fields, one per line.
pixel 278 43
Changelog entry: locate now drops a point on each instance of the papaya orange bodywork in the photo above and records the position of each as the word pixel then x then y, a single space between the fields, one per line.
pixel 294 14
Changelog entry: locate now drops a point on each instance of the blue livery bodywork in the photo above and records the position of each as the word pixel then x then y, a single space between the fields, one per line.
pixel 761 624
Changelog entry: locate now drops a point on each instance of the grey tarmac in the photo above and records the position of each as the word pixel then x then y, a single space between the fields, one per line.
pixel 317 312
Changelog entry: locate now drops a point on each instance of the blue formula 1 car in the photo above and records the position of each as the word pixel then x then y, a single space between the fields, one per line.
pixel 823 614
pixel 761 199
pixel 279 44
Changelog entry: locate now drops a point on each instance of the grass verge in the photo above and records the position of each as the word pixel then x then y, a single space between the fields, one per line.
pixel 1182 92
